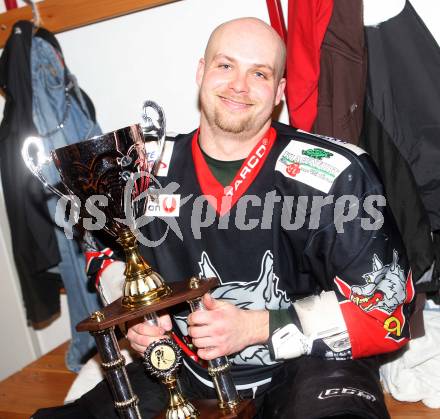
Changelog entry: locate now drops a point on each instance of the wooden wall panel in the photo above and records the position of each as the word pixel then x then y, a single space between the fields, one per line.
pixel 62 15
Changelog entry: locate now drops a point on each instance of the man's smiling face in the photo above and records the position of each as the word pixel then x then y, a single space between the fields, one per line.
pixel 240 77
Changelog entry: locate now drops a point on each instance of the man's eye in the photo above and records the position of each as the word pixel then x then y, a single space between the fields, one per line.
pixel 225 66
pixel 261 75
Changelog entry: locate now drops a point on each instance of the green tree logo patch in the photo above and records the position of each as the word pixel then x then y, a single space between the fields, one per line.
pixel 317 153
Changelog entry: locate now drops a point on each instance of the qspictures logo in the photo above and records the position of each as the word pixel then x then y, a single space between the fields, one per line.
pixel 166 203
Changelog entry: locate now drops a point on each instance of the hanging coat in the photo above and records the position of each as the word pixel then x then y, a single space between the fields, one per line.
pixel 33 240
pixel 402 130
pixel 307 23
pixel 341 89
pixel 62 117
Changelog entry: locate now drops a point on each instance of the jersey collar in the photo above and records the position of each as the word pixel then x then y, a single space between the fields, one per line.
pixel 224 198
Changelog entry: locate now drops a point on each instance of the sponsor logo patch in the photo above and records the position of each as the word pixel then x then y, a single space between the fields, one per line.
pixel 165 205
pixel 316 167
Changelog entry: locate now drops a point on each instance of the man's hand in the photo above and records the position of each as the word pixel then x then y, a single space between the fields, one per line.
pixel 224 329
pixel 143 334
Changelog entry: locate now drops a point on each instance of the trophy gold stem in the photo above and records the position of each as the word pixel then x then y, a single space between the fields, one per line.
pixel 142 285
pixel 178 407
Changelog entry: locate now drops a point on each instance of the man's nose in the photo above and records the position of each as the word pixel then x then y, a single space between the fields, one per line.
pixel 238 82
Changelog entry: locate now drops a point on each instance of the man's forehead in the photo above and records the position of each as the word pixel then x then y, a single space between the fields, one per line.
pixel 230 57
pixel 244 30
pixel 250 39
pixel 247 45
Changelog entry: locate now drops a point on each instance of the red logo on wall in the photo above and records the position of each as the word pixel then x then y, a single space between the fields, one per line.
pixel 293 169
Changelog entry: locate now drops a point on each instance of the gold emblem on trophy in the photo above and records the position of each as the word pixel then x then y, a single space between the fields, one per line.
pixel 162 359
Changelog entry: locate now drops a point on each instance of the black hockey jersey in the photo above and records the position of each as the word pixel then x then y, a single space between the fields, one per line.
pixel 304 214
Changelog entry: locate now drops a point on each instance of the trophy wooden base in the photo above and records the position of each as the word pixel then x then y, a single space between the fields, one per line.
pixel 115 313
pixel 208 409
pixel 101 325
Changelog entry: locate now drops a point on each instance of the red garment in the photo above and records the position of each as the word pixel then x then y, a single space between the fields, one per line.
pixel 307 24
pixel 276 17
pixel 10 4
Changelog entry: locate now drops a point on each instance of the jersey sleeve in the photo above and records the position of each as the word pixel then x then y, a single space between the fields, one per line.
pixel 358 253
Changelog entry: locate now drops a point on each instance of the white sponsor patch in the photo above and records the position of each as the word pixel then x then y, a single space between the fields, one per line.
pixel 313 166
pixel 151 149
pixel 166 205
pixel 354 148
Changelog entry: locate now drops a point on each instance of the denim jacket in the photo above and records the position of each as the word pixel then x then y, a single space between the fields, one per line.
pixel 63 117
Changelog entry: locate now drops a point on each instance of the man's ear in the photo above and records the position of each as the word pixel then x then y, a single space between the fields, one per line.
pixel 200 71
pixel 280 91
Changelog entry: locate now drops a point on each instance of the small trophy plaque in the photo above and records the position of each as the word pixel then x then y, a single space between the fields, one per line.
pixel 162 359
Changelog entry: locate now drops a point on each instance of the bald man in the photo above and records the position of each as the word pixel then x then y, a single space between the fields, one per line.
pixel 314 277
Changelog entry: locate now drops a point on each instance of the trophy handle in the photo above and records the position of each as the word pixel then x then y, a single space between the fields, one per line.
pixel 41 160
pixel 159 130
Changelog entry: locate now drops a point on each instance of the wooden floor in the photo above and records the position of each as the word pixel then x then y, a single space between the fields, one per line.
pixel 45 383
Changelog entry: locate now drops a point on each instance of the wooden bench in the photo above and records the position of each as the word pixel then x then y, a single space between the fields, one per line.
pixel 45 383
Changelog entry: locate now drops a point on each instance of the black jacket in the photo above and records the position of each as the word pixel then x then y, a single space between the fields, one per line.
pixel 33 238
pixel 402 128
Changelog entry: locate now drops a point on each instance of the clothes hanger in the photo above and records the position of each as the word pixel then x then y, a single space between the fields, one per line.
pixel 36 18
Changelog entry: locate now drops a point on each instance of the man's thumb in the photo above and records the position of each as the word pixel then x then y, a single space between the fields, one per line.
pixel 209 302
pixel 165 322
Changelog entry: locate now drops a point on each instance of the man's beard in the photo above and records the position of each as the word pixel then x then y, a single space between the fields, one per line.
pixel 232 124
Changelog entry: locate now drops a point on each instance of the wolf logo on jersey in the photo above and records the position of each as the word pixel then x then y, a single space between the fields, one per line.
pixel 257 295
pixel 384 287
pixel 382 297
pixel 263 293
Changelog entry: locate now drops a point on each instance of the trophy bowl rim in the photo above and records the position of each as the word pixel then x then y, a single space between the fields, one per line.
pixel 98 137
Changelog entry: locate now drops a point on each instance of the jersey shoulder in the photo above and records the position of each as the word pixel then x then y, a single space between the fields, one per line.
pixel 339 146
pixel 319 161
